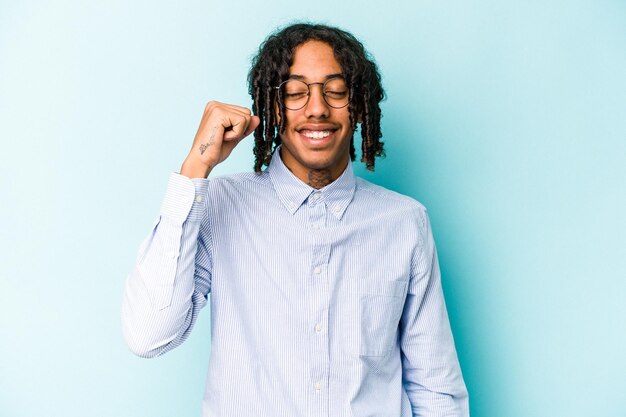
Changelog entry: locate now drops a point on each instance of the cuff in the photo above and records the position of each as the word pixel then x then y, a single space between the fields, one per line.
pixel 184 198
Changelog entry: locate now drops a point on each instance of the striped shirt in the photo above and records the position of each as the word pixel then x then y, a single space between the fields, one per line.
pixel 323 302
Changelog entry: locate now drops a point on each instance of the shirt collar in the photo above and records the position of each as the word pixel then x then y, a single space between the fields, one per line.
pixel 292 192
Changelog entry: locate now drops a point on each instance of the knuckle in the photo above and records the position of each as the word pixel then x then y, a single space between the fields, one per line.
pixel 213 106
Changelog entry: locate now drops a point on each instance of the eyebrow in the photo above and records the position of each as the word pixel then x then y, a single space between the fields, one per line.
pixel 302 77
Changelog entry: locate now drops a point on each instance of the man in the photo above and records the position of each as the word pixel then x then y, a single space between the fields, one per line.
pixel 326 297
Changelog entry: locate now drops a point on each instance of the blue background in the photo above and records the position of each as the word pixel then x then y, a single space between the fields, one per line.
pixel 506 119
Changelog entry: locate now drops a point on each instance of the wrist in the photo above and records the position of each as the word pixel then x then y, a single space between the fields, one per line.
pixel 195 169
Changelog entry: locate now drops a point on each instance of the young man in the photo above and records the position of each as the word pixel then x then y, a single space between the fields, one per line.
pixel 326 297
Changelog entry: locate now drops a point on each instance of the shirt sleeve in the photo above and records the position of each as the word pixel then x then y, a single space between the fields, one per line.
pixel 431 371
pixel 171 279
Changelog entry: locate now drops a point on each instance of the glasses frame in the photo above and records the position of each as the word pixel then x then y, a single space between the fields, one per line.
pixel 308 96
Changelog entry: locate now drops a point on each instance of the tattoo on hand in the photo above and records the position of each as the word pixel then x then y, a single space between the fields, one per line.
pixel 210 143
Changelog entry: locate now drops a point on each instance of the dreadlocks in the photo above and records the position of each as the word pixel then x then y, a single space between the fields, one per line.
pixel 271 66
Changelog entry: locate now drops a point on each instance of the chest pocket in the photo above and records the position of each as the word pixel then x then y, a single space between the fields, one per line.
pixel 374 316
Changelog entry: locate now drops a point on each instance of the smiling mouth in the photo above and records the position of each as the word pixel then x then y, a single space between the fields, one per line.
pixel 316 134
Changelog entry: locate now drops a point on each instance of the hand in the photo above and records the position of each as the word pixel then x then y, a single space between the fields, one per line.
pixel 222 127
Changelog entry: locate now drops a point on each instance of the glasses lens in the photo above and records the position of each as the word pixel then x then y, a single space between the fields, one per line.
pixel 294 94
pixel 336 92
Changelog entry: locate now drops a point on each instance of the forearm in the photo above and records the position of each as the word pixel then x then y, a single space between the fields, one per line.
pixel 431 372
pixel 435 404
pixel 163 293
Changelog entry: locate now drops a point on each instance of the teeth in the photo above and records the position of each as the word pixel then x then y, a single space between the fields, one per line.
pixel 316 134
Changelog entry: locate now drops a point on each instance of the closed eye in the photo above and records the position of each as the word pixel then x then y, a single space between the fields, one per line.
pixel 336 94
pixel 296 95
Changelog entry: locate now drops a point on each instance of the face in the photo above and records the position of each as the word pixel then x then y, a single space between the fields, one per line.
pixel 317 137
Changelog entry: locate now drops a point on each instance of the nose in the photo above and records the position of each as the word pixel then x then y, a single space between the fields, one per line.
pixel 316 107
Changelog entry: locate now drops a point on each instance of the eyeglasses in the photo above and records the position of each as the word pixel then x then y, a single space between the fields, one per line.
pixel 294 94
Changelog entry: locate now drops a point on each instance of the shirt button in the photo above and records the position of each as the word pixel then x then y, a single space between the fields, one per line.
pixel 337 209
pixel 198 199
pixel 318 386
pixel 318 327
pixel 316 196
pixel 316 226
pixel 317 270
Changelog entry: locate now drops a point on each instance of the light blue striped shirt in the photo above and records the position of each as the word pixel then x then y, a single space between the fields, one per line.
pixel 324 303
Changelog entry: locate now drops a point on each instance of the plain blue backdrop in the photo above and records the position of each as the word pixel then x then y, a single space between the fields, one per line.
pixel 506 119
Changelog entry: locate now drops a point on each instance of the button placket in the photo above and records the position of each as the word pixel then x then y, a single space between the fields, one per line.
pixel 319 304
pixel 317 216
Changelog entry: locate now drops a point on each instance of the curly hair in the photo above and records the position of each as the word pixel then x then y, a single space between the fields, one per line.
pixel 271 66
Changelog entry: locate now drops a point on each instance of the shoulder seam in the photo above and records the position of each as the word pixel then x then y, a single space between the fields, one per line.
pixel 383 192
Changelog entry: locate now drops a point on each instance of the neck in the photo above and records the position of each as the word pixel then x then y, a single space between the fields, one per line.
pixel 313 176
pixel 319 178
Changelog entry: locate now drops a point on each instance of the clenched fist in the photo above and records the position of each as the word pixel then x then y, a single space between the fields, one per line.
pixel 221 129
